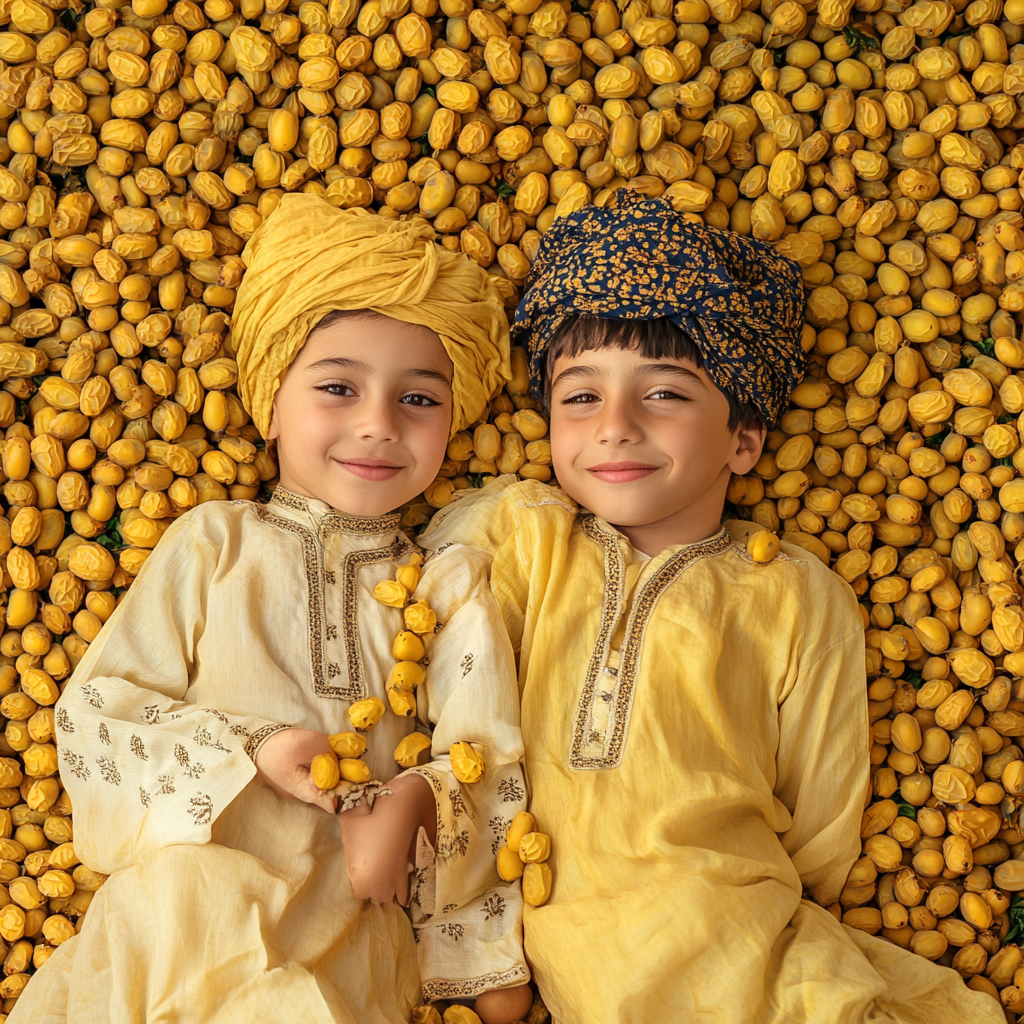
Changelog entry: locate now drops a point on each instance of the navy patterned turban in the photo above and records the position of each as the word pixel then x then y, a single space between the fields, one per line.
pixel 739 300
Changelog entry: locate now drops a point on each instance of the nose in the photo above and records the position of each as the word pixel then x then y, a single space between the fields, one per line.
pixel 378 419
pixel 618 422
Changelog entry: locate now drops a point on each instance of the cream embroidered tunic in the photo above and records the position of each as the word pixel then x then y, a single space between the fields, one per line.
pixel 226 903
pixel 696 737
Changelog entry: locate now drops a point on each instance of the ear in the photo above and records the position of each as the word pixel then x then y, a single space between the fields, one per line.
pixel 748 443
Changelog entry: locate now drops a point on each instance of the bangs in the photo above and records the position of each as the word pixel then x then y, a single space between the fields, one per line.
pixel 650 339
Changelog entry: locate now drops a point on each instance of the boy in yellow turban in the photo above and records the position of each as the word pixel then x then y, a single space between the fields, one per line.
pixel 695 722
pixel 254 632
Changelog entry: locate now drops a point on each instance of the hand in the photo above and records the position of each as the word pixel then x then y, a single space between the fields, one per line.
pixel 283 761
pixel 381 843
pixel 504 1005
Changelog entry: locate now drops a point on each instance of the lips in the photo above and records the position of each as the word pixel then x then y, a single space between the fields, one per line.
pixel 621 472
pixel 370 469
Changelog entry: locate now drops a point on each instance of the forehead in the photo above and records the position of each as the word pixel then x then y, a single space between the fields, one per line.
pixel 377 341
pixel 622 360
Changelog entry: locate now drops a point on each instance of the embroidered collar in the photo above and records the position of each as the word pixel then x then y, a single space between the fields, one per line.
pixel 711 545
pixel 328 519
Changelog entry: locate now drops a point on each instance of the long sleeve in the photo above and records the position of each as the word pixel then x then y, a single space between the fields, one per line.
pixel 823 761
pixel 145 767
pixel 469 924
pixel 510 521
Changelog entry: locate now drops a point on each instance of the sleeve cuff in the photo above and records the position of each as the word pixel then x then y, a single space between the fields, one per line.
pixel 259 737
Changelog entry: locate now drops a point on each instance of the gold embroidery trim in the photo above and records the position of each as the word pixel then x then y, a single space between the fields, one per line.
pixel 636 627
pixel 259 737
pixel 350 566
pixel 316 580
pixel 337 522
pixel 611 602
pixel 439 989
pixel 313 563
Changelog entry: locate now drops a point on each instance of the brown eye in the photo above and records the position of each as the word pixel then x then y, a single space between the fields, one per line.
pixel 338 390
pixel 423 401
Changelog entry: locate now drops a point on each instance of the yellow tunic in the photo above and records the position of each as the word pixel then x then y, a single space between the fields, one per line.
pixel 696 738
pixel 225 903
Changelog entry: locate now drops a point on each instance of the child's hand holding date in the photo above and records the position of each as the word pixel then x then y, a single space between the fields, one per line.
pixel 283 763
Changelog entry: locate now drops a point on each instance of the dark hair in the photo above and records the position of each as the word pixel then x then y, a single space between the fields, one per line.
pixel 651 339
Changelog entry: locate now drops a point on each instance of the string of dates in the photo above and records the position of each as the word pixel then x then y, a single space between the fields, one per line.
pixel 343 772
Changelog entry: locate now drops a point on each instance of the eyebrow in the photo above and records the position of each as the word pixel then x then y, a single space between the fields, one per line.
pixel 674 369
pixel 341 363
pixel 583 371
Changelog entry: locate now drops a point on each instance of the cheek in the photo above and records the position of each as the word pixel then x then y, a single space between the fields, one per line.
pixel 429 441
pixel 307 429
pixel 567 441
pixel 697 441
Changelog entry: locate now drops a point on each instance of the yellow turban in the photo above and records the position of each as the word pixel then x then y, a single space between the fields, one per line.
pixel 309 258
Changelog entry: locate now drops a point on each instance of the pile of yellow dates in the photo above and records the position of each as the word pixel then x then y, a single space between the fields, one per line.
pixel 876 142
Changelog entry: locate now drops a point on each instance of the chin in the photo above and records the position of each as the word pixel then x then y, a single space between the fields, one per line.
pixel 368 509
pixel 357 502
pixel 621 513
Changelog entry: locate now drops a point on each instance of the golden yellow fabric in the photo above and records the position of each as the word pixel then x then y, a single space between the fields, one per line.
pixel 226 904
pixel 309 258
pixel 696 738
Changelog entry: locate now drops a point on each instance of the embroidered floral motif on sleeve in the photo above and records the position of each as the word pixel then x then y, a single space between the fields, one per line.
pixel 166 784
pixel 109 770
pixel 138 747
pixel 499 826
pixel 216 714
pixel 76 763
pixel 92 696
pixel 460 843
pixel 493 906
pixel 104 734
pixel 203 738
pixel 144 798
pixel 452 930
pixel 466 665
pixel 63 721
pixel 193 769
pixel 459 804
pixel 151 714
pixel 511 791
pixel 201 809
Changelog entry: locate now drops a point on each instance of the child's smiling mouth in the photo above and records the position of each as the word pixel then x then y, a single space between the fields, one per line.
pixel 621 472
pixel 370 469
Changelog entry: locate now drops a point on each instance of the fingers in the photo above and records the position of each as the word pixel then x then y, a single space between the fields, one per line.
pixel 361 810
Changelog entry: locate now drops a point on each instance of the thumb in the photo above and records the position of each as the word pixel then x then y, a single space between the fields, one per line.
pixel 308 793
pixel 327 802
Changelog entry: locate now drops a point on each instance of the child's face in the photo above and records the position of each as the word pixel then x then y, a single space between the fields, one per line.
pixel 642 442
pixel 362 417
